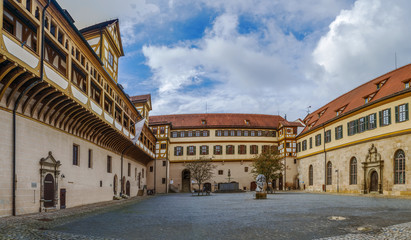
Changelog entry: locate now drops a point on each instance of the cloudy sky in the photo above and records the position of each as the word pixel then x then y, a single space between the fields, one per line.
pixel 251 56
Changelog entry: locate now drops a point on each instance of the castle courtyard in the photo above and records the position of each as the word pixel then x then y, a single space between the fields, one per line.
pixel 285 215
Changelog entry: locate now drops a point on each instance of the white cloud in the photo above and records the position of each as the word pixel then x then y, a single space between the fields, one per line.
pixel 361 44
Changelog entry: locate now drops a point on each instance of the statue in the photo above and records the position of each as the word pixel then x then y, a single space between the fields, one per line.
pixel 260 180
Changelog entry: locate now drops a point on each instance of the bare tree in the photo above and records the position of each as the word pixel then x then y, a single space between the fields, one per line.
pixel 269 164
pixel 201 170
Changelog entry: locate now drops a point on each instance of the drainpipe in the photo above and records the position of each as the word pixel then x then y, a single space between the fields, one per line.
pixel 325 165
pixel 16 104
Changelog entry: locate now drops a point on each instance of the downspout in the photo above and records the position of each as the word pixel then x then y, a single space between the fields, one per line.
pixel 155 174
pixel 16 104
pixel 325 165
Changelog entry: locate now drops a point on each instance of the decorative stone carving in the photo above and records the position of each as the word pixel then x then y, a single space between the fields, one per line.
pixel 373 155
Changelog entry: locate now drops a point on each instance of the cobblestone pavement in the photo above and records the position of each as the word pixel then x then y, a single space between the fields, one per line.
pixel 222 216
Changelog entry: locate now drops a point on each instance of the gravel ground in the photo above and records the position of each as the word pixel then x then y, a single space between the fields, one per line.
pixel 221 216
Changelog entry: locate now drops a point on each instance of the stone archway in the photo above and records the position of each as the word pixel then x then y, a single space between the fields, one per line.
pixel 49 173
pixel 373 169
pixel 186 180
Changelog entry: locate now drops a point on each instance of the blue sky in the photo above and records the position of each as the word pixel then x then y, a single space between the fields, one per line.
pixel 251 56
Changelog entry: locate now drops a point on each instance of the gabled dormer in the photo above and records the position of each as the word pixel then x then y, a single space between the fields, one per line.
pixel 105 40
pixel 143 105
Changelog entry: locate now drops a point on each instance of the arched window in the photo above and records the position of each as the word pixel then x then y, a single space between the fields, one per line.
pixel 310 175
pixel 329 173
pixel 399 167
pixel 353 171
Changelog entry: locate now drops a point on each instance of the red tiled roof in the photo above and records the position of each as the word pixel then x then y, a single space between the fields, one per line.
pixel 140 98
pixel 218 120
pixel 291 124
pixel 356 98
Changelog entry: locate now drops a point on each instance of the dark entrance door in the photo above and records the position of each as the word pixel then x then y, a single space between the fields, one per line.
pixel 128 188
pixel 374 182
pixel 49 191
pixel 274 184
pixel 207 187
pixel 62 198
pixel 253 186
pixel 280 183
pixel 186 178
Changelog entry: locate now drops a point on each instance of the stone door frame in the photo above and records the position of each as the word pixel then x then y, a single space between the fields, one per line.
pixel 49 165
pixel 372 163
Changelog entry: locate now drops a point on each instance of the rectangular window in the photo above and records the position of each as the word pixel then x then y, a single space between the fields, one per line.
pixel 259 133
pixel 239 133
pixel 190 133
pixel 220 172
pixel 163 181
pixel 205 133
pixel 339 132
pixel 253 149
pixel 327 138
pixel 109 164
pixel 318 140
pixel 311 142
pixel 57 58
pixel 218 133
pixel 245 169
pixel 229 149
pixel 117 114
pixel 242 149
pixel 218 150
pixel 362 124
pixel 304 145
pixel 191 150
pixel 174 134
pixel 151 168
pixel 197 133
pixel 372 121
pixel 352 127
pixel 162 130
pixel 225 133
pixel 79 78
pixel 155 131
pixel 90 158
pixel 21 28
pixel 401 113
pixel 95 93
pixel 163 146
pixel 252 133
pixel 53 29
pixel 76 154
pixel 164 163
pixel 108 105
pixel 110 58
pixel 245 133
pixel 407 85
pixel 129 169
pixel 204 150
pixel 385 117
pixel 232 133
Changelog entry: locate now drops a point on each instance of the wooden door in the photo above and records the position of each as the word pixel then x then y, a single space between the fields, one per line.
pixel 253 186
pixel 186 178
pixel 62 198
pixel 280 183
pixel 207 187
pixel 49 191
pixel 374 182
pixel 128 188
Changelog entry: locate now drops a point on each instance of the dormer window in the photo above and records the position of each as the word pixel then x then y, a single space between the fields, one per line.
pixel 368 98
pixel 321 113
pixel 340 110
pixel 247 122
pixel 203 122
pixel 407 83
pixel 380 84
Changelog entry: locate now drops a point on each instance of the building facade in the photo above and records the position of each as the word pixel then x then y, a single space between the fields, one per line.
pixel 66 125
pixel 230 141
pixel 360 142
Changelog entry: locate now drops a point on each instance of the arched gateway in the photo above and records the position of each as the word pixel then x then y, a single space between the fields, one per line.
pixel 186 178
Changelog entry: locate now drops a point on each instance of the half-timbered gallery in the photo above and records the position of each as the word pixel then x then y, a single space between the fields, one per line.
pixel 66 125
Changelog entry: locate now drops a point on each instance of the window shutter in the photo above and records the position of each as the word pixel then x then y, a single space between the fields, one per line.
pixel 194 148
pixel 348 129
pixel 396 114
pixel 380 117
pixel 389 115
pixel 406 111
pixel 214 150
pixel 366 122
pixel 207 150
pixel 256 149
pixel 175 151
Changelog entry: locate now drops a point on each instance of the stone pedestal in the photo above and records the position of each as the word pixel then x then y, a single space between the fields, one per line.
pixel 260 195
